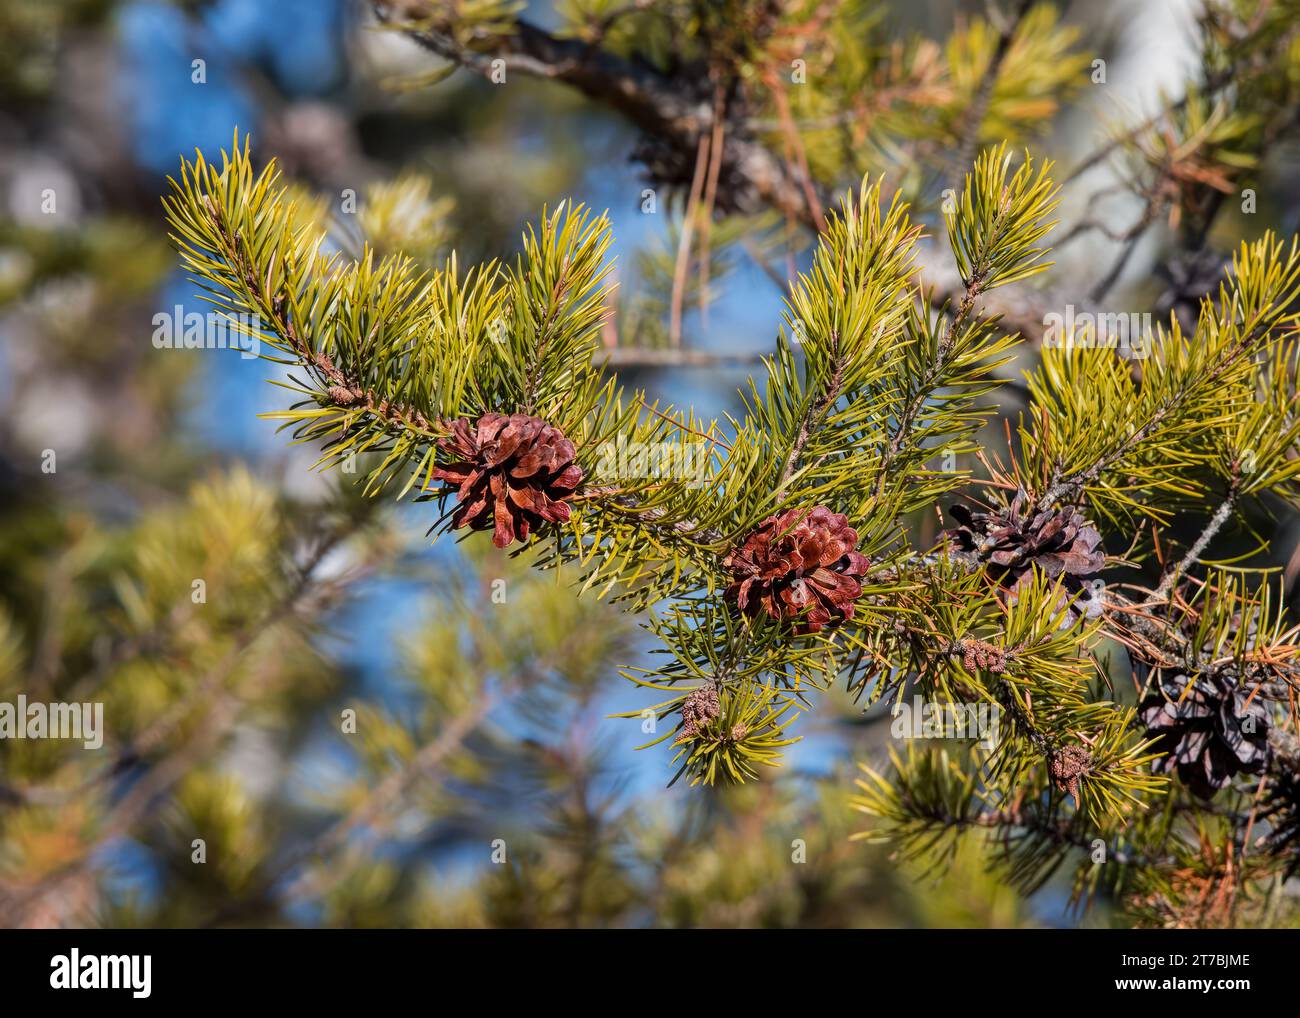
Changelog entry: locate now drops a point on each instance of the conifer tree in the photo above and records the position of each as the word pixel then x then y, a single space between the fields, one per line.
pixel 951 480
pixel 1149 722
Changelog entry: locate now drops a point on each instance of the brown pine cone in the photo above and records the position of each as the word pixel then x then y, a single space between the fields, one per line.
pixel 1059 541
pixel 512 475
pixel 799 561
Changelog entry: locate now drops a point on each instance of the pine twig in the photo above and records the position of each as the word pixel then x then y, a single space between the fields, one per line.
pixel 1194 553
pixel 813 417
pixel 973 117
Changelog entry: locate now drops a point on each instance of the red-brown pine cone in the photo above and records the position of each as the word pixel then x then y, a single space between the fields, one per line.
pixel 512 474
pixel 796 562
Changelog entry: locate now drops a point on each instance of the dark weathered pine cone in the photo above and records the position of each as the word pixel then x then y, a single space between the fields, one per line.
pixel 1058 541
pixel 511 474
pixel 799 564
pixel 1210 735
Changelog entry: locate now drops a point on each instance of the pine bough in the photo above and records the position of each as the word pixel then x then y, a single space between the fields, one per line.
pixel 786 562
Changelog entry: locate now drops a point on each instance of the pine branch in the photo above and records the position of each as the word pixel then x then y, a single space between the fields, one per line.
pixel 1194 553
pixel 1215 83
pixel 673 109
pixel 344 391
pixel 973 117
pixel 815 415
